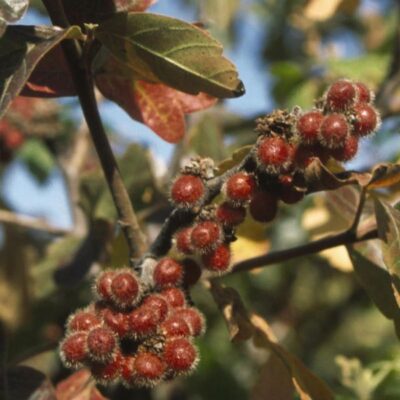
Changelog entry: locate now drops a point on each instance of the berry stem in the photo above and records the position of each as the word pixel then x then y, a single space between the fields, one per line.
pixel 344 238
pixel 85 89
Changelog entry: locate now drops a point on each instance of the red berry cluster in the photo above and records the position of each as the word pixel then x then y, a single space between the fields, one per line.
pixel 137 334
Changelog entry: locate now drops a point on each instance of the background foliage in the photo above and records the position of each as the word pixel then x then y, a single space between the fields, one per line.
pixel 320 311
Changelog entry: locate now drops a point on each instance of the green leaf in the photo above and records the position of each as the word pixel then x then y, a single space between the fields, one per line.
pixel 38 159
pixel 179 54
pixel 369 68
pixel 388 221
pixel 376 281
pixel 21 48
pixel 236 157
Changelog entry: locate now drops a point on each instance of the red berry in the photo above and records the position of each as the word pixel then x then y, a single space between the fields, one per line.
pixel 206 235
pixel 340 95
pixel 183 240
pixel 175 326
pixel 239 187
pixel 13 139
pixel 193 318
pixel 144 321
pixel 148 368
pixel 82 321
pixel 103 284
pixel 73 349
pixel 125 289
pixel 168 272
pixel 187 190
pixel 109 372
pixel 308 126
pixel 263 206
pixel 218 260
pixel 229 215
pixel 274 154
pixel 117 321
pixel 366 119
pixel 363 93
pixel 180 355
pixel 158 304
pixel 101 343
pixel 174 297
pixel 192 272
pixel 287 192
pixel 128 370
pixel 348 151
pixel 306 154
pixel 334 130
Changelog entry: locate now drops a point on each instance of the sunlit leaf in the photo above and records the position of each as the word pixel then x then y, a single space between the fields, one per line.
pixel 133 5
pixel 175 52
pixel 21 48
pixel 321 10
pixel 230 304
pixel 384 175
pixel 236 157
pixel 307 385
pixel 80 385
pixel 11 11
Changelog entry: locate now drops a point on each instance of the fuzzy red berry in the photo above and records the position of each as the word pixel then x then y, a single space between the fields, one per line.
pixel 125 289
pixel 239 187
pixel 218 260
pixel 82 320
pixel 348 151
pixel 263 206
pixel 340 95
pixel 117 321
pixel 144 321
pixel 187 190
pixel 308 126
pixel 168 272
pixel 306 154
pixel 180 355
pixel 107 373
pixel 229 215
pixel 334 130
pixel 183 240
pixel 101 344
pixel 206 235
pixel 73 349
pixel 103 284
pixel 287 191
pixel 148 368
pixel 158 304
pixel 174 297
pixel 363 93
pixel 175 326
pixel 366 119
pixel 274 154
pixel 193 318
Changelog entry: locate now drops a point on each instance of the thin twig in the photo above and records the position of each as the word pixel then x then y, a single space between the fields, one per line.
pixel 8 217
pixel 347 237
pixel 85 90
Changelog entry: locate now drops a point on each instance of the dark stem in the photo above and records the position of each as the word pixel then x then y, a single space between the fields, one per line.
pixel 347 237
pixel 81 75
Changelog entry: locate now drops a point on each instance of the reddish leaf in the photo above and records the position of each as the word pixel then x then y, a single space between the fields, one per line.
pixel 51 77
pixel 133 5
pixel 158 106
pixel 160 111
pixel 191 103
pixel 79 386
